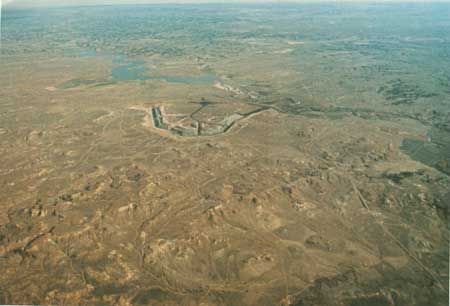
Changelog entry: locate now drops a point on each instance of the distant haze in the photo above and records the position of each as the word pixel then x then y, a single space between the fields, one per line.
pixel 95 2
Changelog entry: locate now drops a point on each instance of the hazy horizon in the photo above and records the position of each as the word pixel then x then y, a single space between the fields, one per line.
pixel 31 3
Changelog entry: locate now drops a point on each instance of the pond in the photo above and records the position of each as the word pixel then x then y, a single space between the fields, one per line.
pixel 126 69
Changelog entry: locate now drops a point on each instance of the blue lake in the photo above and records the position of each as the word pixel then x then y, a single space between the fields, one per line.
pixel 126 69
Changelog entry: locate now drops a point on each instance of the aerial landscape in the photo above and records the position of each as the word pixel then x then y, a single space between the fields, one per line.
pixel 225 154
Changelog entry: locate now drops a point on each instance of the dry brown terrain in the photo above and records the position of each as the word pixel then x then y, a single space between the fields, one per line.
pixel 335 193
pixel 98 206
